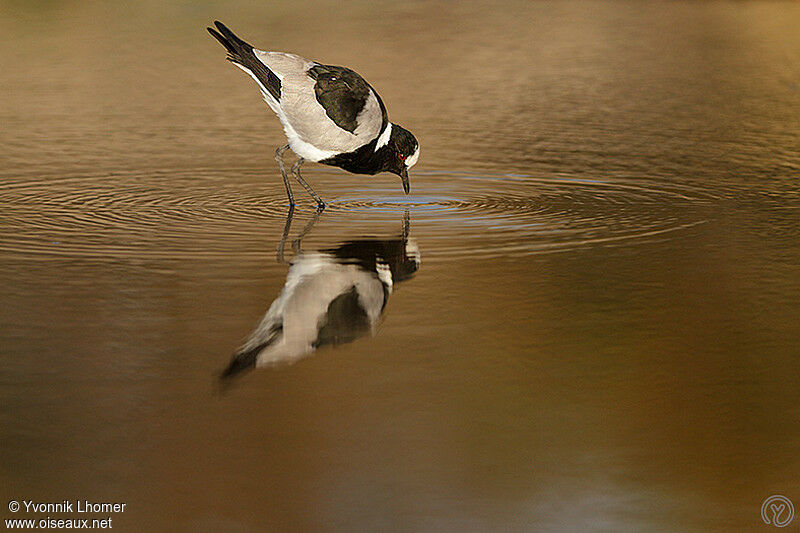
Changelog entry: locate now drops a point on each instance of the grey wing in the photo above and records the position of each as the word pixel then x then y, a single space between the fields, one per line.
pixel 332 108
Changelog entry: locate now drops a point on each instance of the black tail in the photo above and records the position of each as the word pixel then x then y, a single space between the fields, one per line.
pixel 241 362
pixel 241 53
pixel 245 359
pixel 237 48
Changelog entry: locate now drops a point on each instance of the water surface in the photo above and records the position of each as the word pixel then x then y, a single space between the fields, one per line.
pixel 601 334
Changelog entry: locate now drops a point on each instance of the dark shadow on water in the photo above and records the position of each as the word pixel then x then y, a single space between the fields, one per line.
pixel 332 296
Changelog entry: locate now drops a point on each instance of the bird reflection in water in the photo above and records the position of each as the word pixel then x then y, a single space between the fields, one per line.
pixel 332 296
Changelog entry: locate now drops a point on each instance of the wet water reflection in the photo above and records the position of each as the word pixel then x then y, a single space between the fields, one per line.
pixel 331 296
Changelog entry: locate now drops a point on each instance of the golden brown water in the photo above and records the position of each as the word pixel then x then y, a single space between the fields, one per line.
pixel 602 334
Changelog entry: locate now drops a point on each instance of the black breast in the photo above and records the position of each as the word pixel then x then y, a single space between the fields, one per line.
pixel 364 160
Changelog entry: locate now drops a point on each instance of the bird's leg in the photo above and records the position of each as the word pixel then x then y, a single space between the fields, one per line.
pixel 310 224
pixel 286 228
pixel 306 186
pixel 279 158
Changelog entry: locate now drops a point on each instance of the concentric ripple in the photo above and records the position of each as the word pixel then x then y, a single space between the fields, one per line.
pixel 463 214
pixel 206 212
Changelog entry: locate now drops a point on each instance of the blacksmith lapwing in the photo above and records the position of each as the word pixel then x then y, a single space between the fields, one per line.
pixel 330 114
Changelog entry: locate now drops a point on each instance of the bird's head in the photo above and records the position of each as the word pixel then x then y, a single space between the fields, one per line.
pixel 404 150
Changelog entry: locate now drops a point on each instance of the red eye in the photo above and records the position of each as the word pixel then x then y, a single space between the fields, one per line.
pixel 402 157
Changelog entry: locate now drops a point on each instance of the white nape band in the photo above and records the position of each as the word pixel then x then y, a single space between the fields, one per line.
pixel 412 251
pixel 385 136
pixel 384 273
pixel 411 161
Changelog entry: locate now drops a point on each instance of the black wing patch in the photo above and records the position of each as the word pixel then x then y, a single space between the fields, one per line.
pixel 342 93
pixel 344 321
pixel 242 53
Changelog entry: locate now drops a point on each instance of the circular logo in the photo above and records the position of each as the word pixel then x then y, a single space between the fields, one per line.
pixel 777 510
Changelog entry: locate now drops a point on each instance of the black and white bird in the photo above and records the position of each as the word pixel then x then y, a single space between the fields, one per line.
pixel 330 297
pixel 330 114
